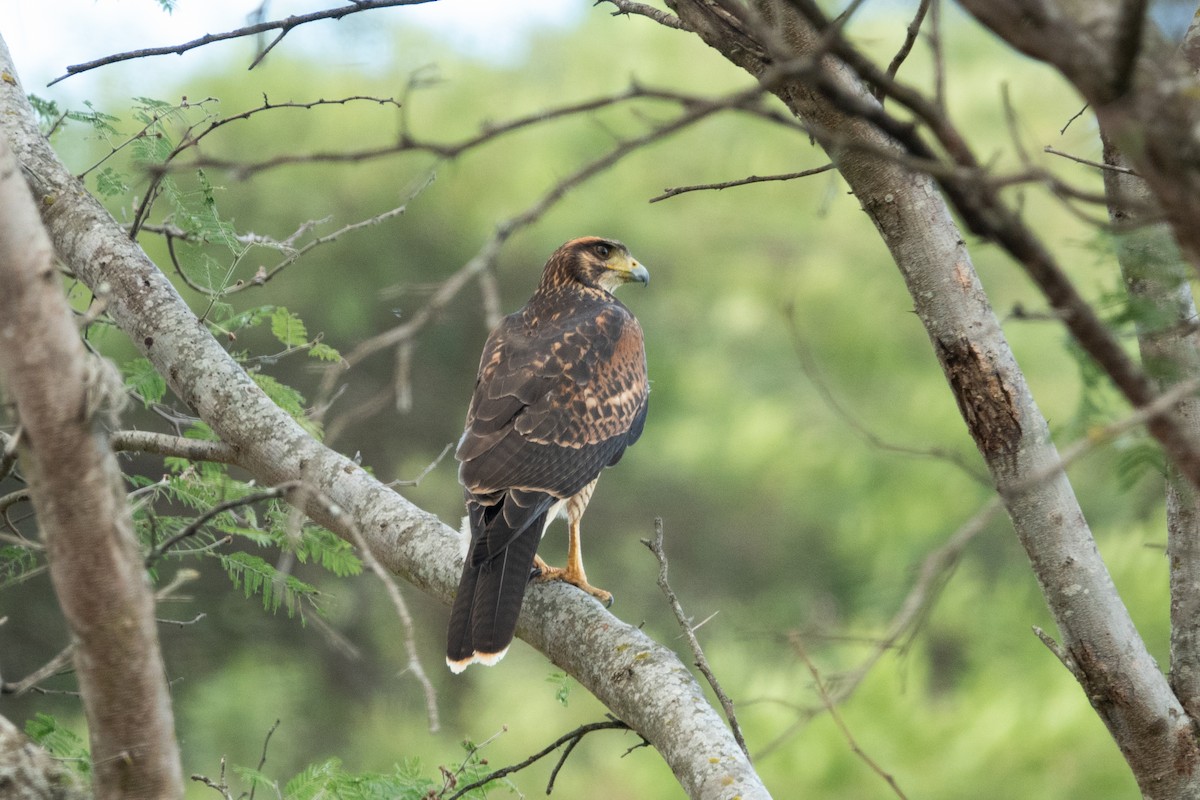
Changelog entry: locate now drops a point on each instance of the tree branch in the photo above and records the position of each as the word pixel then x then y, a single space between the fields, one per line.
pixel 689 631
pixel 282 25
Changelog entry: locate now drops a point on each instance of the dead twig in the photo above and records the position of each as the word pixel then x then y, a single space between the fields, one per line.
pixel 689 632
pixel 788 176
pixel 570 739
pixel 798 647
pixel 283 25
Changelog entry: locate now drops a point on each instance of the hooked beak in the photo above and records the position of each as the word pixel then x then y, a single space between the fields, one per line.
pixel 639 274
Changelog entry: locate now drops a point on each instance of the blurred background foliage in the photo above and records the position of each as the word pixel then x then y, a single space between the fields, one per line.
pixel 783 514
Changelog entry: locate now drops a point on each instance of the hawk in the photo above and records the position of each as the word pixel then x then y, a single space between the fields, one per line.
pixel 561 392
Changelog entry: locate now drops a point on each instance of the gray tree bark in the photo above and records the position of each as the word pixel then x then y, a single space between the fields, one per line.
pixel 640 681
pixel 62 396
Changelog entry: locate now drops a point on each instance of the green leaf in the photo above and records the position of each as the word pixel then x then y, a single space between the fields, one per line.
pixel 288 328
pixel 288 399
pixel 563 681
pixel 111 183
pixel 255 576
pixel 324 352
pixel 333 554
pixel 314 780
pixel 143 379
pixel 60 742
pixel 255 779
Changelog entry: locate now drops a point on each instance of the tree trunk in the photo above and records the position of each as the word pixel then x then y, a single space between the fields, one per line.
pixel 62 396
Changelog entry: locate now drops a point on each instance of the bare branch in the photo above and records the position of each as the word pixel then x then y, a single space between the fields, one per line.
pixel 406 624
pixel 831 707
pixel 689 632
pixel 788 176
pixel 53 667
pixel 627 7
pixel 569 739
pixel 910 38
pixel 283 25
pixel 1127 43
pixel 1098 165
pixel 176 446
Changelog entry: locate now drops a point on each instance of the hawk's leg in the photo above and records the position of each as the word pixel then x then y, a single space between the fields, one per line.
pixel 573 573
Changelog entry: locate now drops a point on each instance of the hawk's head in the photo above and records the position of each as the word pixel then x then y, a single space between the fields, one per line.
pixel 595 262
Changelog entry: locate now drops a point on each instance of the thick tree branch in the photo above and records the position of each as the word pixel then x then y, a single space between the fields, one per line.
pixel 62 395
pixel 1156 278
pixel 641 682
pixel 1143 93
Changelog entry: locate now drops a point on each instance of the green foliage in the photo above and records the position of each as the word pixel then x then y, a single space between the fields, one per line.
pixel 330 779
pixel 288 328
pixel 254 576
pixel 143 380
pixel 562 683
pixel 62 743
pixel 14 562
pixel 333 554
pixel 51 116
pixel 289 399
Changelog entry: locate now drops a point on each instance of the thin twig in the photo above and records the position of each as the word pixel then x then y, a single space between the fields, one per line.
pixel 406 621
pixel 263 758
pixel 678 190
pixel 1097 164
pixel 932 577
pixel 811 370
pixel 285 25
pixel 910 38
pixel 573 737
pixel 798 646
pixel 195 525
pixel 656 547
pixel 430 467
pixel 48 670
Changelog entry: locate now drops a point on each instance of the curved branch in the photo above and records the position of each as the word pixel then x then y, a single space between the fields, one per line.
pixel 642 682
pixel 281 25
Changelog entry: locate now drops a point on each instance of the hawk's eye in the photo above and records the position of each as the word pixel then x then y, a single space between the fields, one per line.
pixel 602 250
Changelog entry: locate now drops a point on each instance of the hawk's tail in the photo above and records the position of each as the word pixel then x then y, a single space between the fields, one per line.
pixel 484 617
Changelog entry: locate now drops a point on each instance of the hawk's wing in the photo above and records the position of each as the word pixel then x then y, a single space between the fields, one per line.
pixel 554 402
